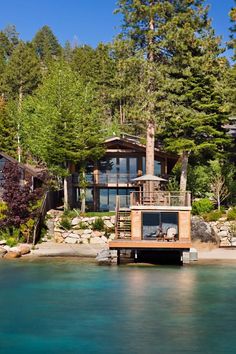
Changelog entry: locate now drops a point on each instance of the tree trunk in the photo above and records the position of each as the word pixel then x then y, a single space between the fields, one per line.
pixel 184 170
pixel 150 147
pixel 83 193
pixel 66 203
pixel 20 99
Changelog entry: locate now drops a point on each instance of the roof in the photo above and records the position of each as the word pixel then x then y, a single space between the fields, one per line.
pixel 149 178
pixel 35 172
pixel 133 142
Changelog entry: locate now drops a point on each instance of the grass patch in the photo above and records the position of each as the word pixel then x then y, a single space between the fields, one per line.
pixel 98 213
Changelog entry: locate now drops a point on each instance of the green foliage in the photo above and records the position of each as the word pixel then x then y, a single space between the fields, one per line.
pixel 98 213
pixel 3 209
pixel 65 223
pixel 231 214
pixel 11 235
pixel 98 224
pixel 202 206
pixel 214 215
pixel 46 44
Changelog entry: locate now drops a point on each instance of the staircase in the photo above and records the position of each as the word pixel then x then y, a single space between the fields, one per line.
pixel 123 224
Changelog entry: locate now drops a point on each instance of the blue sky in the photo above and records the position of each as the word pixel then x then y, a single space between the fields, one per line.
pixel 84 21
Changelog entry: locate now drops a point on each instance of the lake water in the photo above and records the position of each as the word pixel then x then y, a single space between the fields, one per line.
pixel 73 306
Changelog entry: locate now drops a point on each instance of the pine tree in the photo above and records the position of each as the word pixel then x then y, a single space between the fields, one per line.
pixel 46 44
pixel 65 120
pixel 181 73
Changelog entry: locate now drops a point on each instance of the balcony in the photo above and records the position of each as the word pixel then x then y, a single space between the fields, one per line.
pixel 160 198
pixel 105 178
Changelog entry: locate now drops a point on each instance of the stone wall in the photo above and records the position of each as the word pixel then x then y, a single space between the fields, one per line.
pixel 221 232
pixel 81 230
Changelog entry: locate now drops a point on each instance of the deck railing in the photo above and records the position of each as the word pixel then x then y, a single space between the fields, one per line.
pixel 105 178
pixel 160 198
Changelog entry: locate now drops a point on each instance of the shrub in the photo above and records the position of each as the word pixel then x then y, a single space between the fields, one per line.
pixel 11 241
pixel 82 225
pixel 65 223
pixel 202 206
pixel 213 215
pixel 231 215
pixel 98 224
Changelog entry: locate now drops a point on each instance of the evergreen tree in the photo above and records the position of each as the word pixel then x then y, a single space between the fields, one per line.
pixel 22 74
pixel 46 44
pixel 65 120
pixel 8 127
pixel 182 73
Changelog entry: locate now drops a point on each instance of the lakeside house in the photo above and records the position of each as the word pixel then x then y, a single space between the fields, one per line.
pixel 150 222
pixel 113 175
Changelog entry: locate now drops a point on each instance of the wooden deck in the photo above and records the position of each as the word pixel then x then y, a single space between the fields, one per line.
pixel 119 244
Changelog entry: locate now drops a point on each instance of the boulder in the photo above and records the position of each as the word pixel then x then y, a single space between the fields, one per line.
pixel 223 233
pixel 85 241
pixel 78 232
pixel 71 240
pixel 3 242
pixel 224 228
pixel 2 252
pixel 24 249
pixel 104 238
pixel 12 255
pixel 201 230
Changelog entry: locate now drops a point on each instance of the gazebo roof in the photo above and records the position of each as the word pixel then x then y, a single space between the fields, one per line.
pixel 149 177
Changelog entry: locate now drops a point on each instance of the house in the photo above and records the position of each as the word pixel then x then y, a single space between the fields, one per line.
pixel 113 175
pixel 28 173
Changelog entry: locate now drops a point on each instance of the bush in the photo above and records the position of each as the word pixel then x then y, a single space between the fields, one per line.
pixel 214 215
pixel 231 215
pixel 65 223
pixel 202 206
pixel 98 224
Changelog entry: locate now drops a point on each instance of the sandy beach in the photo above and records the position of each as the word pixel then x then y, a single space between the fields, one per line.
pixel 52 249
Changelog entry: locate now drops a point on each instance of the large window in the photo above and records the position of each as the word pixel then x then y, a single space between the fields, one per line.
pixel 157 167
pixel 117 170
pixel 156 224
pixel 107 200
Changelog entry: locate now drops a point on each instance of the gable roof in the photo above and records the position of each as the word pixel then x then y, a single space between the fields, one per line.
pixel 132 142
pixel 35 172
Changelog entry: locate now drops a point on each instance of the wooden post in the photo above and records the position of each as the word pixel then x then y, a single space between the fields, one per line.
pixel 118 257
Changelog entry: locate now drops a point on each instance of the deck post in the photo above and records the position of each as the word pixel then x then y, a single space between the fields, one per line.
pixel 118 257
pixel 135 256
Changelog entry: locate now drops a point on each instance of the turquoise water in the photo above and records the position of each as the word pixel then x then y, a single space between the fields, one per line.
pixel 69 306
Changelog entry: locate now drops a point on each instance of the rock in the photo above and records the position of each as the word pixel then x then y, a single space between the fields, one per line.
pixel 85 241
pixel 108 224
pixel 96 240
pixel 104 238
pixel 96 234
pixel 223 233
pixel 85 236
pixel 225 243
pixel 71 240
pixel 58 237
pixel 224 228
pixel 3 242
pixel 78 232
pixel 203 231
pixel 112 236
pixel 50 226
pixel 24 249
pixel 75 221
pixel 2 252
pixel 7 248
pixel 87 231
pixel 12 255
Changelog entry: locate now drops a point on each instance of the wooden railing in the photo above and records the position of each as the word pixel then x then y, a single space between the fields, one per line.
pixel 160 198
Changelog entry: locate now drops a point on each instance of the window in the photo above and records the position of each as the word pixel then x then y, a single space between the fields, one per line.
pixel 156 223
